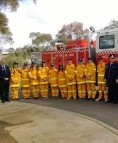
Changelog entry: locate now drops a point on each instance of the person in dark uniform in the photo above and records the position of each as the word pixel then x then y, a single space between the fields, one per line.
pixel 111 76
pixel 4 81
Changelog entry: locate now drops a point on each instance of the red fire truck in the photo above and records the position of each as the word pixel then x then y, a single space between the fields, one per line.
pixel 107 43
pixel 73 49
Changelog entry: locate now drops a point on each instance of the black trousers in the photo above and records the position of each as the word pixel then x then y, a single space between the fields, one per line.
pixel 4 92
pixel 113 92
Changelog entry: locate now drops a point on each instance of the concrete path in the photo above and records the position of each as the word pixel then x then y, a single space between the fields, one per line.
pixel 105 112
pixel 39 124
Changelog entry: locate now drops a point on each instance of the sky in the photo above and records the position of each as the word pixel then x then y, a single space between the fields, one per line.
pixel 48 16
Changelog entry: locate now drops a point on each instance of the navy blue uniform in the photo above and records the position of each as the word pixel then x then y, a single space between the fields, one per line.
pixel 111 74
pixel 4 85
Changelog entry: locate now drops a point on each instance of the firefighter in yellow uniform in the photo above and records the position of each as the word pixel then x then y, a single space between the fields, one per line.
pixel 71 79
pixel 53 80
pixel 90 72
pixel 15 81
pixel 102 88
pixel 25 81
pixel 34 80
pixel 81 79
pixel 62 81
pixel 43 75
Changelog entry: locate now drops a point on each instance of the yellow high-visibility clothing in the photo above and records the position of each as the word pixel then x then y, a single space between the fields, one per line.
pixel 101 72
pixel 81 80
pixel 43 75
pixel 34 81
pixel 53 80
pixel 14 83
pixel 62 83
pixel 25 82
pixel 90 72
pixel 71 80
pixel 102 88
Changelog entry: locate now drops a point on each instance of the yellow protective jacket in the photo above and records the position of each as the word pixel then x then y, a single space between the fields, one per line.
pixel 43 74
pixel 70 74
pixel 62 79
pixel 53 77
pixel 33 74
pixel 90 72
pixel 25 80
pixel 15 78
pixel 80 74
pixel 101 72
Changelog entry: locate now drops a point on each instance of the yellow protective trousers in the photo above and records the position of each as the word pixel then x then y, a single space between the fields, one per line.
pixel 82 90
pixel 26 92
pixel 14 93
pixel 55 91
pixel 64 93
pixel 35 91
pixel 91 91
pixel 71 91
pixel 44 90
pixel 103 91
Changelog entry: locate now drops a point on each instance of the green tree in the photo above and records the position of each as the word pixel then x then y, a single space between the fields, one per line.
pixel 5 34
pixel 113 24
pixel 20 55
pixel 40 40
pixel 13 57
pixel 71 31
pixel 11 50
pixel 11 5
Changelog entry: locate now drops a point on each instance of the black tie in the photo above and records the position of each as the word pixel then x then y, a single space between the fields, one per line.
pixel 4 69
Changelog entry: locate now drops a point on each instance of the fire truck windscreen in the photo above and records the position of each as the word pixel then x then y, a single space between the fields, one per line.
pixel 107 42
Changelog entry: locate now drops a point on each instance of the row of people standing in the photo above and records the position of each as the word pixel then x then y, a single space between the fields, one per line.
pixel 82 77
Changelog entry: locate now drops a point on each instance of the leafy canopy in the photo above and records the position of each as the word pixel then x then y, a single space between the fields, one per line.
pixel 72 31
pixel 11 5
